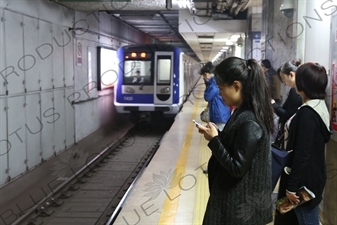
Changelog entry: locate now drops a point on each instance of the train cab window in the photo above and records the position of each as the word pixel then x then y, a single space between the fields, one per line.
pixel 137 72
pixel 164 70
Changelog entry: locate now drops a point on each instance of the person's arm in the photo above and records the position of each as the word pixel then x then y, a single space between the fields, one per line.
pixel 290 106
pixel 211 92
pixel 245 147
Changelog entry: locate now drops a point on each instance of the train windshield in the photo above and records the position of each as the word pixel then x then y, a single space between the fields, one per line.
pixel 137 72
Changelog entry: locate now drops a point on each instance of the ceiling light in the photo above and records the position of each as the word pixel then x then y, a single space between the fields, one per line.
pixel 239 42
pixel 168 4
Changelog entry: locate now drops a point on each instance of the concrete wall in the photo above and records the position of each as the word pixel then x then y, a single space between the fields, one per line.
pixel 40 78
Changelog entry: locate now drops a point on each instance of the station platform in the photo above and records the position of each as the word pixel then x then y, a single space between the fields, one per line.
pixel 173 189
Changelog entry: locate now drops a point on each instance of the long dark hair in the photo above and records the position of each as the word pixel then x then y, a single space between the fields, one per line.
pixel 254 86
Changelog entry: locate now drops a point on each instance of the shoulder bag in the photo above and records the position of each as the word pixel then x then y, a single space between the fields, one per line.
pixel 279 158
pixel 204 115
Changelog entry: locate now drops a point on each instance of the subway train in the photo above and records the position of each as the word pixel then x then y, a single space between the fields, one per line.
pixel 153 81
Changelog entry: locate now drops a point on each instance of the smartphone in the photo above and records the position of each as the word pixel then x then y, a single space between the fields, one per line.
pixel 199 124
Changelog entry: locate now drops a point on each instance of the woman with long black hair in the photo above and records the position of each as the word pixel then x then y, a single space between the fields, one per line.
pixel 239 170
pixel 287 74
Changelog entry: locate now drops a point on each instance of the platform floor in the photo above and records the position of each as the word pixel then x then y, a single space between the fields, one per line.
pixel 174 176
pixel 173 188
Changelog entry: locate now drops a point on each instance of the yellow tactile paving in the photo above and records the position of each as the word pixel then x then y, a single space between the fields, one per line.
pixel 170 207
pixel 202 192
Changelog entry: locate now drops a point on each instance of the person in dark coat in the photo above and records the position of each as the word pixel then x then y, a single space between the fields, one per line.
pixel 273 80
pixel 286 73
pixel 309 131
pixel 239 170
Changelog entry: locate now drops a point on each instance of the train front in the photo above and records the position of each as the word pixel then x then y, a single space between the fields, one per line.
pixel 148 85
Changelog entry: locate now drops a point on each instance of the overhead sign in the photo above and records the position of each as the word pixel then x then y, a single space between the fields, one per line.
pixel 256 45
pixel 256 35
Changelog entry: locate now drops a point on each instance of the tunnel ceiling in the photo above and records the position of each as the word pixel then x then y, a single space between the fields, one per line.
pixel 160 18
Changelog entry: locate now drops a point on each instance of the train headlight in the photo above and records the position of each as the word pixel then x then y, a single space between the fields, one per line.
pixel 129 90
pixel 165 90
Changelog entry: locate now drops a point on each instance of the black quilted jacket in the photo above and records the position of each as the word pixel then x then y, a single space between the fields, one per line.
pixel 239 173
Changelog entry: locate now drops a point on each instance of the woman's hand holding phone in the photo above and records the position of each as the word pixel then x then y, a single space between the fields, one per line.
pixel 209 131
pixel 198 124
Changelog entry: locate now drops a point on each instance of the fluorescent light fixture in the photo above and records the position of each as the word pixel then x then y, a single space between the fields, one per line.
pixel 239 42
pixel 234 37
pixel 183 3
pixel 168 4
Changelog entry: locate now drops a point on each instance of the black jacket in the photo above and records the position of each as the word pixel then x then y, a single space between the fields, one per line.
pixel 307 137
pixel 239 173
pixel 289 108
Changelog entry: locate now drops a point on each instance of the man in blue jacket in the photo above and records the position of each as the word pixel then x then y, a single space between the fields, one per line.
pixel 219 112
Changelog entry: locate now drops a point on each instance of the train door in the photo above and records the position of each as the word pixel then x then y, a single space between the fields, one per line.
pixel 163 78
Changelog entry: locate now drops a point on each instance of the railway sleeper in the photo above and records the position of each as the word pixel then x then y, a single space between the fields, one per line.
pixel 45 212
pixel 56 202
pixel 87 175
pixel 73 187
pixel 81 181
pixel 65 195
pixel 34 222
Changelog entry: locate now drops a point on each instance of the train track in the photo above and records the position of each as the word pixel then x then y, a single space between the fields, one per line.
pixel 93 194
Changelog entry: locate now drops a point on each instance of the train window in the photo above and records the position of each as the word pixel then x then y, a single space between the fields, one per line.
pixel 106 68
pixel 137 72
pixel 164 71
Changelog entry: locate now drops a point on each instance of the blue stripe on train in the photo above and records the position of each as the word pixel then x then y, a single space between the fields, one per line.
pixel 176 75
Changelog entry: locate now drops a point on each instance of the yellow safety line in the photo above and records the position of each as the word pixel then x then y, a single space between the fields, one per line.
pixel 170 206
pixel 202 192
